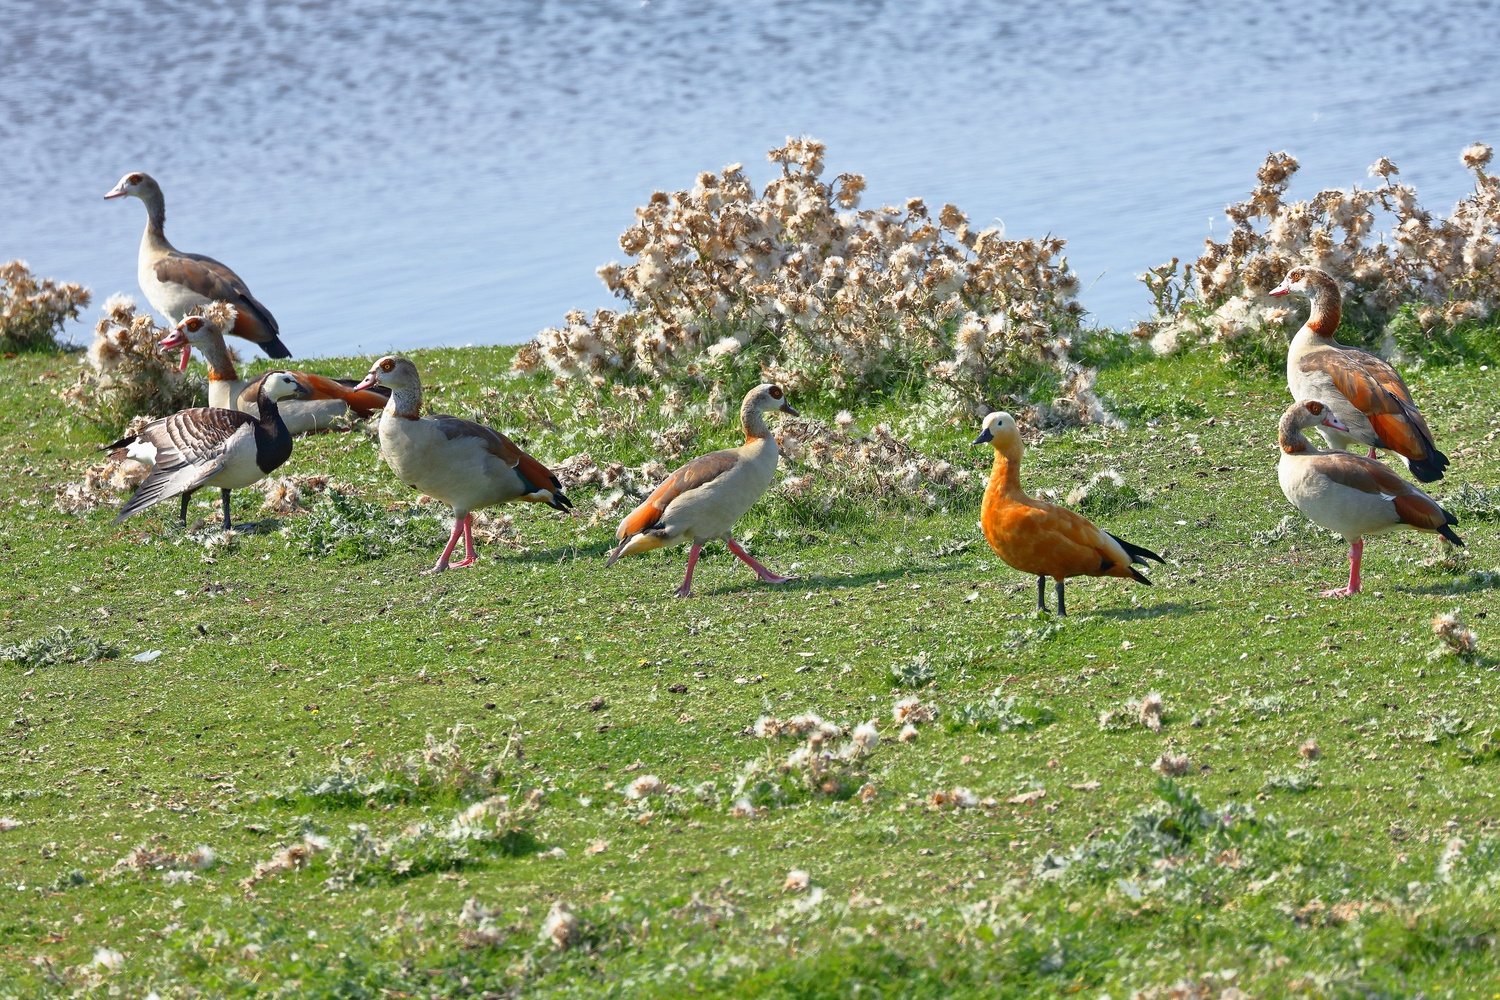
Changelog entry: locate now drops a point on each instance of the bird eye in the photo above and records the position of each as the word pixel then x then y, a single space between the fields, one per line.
pixel 134 178
pixel 775 392
pixel 1315 408
pixel 387 365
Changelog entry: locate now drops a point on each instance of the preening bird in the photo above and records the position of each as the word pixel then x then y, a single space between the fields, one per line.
pixel 331 398
pixel 1038 537
pixel 702 500
pixel 468 466
pixel 176 283
pixel 210 446
pixel 1366 393
pixel 1350 495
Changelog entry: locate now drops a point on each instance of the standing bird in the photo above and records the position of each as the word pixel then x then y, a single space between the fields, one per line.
pixel 175 282
pixel 466 465
pixel 209 446
pixel 702 500
pixel 331 398
pixel 1365 392
pixel 1035 536
pixel 1350 495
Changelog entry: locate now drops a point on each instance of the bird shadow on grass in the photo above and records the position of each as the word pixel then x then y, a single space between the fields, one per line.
pixel 1166 609
pixel 1470 584
pixel 822 582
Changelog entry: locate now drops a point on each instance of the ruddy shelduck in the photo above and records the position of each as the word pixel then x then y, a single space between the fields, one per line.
pixel 1038 537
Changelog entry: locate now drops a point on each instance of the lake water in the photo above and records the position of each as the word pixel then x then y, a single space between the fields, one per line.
pixel 399 174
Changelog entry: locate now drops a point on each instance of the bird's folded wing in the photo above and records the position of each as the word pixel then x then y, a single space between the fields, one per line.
pixel 213 280
pixel 502 447
pixel 701 470
pixel 1360 473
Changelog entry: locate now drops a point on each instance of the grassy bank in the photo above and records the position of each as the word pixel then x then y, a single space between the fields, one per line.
pixel 398 777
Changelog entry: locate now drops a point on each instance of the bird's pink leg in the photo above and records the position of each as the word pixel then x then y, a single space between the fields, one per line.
pixel 686 590
pixel 468 543
pixel 765 575
pixel 1372 451
pixel 442 563
pixel 1356 553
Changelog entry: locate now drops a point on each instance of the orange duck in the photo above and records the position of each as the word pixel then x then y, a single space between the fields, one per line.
pixel 1034 536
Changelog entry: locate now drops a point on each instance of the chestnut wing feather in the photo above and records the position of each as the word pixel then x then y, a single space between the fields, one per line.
pixel 701 470
pixel 502 447
pixel 1376 389
pixel 1360 473
pixel 213 280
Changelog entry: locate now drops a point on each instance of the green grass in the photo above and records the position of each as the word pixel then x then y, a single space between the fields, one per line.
pixel 303 668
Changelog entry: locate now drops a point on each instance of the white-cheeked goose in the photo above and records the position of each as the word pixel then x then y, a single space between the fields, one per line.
pixel 331 398
pixel 177 283
pixel 1364 391
pixel 212 446
pixel 467 465
pixel 1350 495
pixel 702 500
pixel 1038 537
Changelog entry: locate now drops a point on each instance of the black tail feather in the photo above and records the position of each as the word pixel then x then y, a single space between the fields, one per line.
pixel 1136 553
pixel 1428 470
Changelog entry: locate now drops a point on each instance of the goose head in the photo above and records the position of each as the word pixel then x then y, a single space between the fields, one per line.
pixel 1306 280
pixel 392 372
pixel 999 430
pixel 1312 413
pixel 284 385
pixel 767 397
pixel 137 185
pixel 193 331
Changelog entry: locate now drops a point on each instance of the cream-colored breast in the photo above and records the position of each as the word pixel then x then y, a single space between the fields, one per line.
pixel 459 471
pixel 1341 509
pixel 711 510
pixel 171 300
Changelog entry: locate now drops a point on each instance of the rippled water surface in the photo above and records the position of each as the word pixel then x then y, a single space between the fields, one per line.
pixel 399 174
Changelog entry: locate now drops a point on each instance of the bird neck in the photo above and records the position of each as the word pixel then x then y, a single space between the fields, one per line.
pixel 1005 474
pixel 405 402
pixel 754 422
pixel 1289 435
pixel 1327 306
pixel 156 214
pixel 220 364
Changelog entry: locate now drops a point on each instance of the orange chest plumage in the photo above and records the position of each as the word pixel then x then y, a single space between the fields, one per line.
pixel 1038 538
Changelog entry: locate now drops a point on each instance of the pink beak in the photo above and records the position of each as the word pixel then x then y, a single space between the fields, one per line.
pixel 1335 423
pixel 117 192
pixel 176 339
pixel 1280 289
pixel 368 382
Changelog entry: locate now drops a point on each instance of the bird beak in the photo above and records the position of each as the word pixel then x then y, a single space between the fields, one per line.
pixel 369 380
pixel 304 390
pixel 1335 423
pixel 117 192
pixel 1280 289
pixel 985 437
pixel 177 339
pixel 788 408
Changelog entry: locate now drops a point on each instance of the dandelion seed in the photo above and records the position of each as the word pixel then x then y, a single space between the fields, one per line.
pixel 596 847
pixel 908 733
pixel 645 785
pixel 866 737
pixel 560 926
pixel 797 881
pixel 6 823
pixel 1309 750
pixel 742 809
pixel 1172 765
pixel 108 959
pixel 867 793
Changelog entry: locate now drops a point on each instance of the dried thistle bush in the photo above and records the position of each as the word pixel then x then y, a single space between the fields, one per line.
pixel 33 310
pixel 1392 256
pixel 799 285
pixel 126 374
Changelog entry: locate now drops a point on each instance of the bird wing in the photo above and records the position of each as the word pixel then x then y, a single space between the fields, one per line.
pixel 700 471
pixel 191 447
pixel 1368 476
pixel 1375 389
pixel 1042 538
pixel 534 472
pixel 214 280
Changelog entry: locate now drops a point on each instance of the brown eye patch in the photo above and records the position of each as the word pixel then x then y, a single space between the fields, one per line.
pixel 387 365
pixel 194 323
pixel 775 392
pixel 134 178
pixel 1315 408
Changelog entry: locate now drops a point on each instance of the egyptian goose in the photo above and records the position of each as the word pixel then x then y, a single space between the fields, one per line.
pixel 176 283
pixel 466 465
pixel 1365 392
pixel 1035 536
pixel 331 398
pixel 212 446
pixel 1350 495
pixel 702 500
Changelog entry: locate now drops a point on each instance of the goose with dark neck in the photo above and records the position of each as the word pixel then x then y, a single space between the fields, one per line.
pixel 212 446
pixel 177 283
pixel 1364 391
